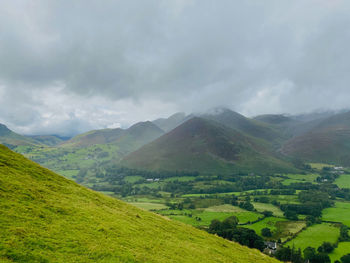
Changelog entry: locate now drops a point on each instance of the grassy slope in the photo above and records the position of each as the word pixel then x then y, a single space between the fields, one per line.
pixel 13 139
pixel 47 218
pixel 314 236
pixel 208 147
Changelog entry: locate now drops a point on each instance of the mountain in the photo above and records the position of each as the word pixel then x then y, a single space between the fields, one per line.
pixel 130 139
pixel 49 140
pixel 12 139
pixel 47 218
pixel 327 141
pixel 243 124
pixel 85 152
pixel 209 147
pixel 167 124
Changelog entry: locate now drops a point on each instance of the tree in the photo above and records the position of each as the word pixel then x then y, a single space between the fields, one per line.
pixel 291 215
pixel 344 235
pixel 345 259
pixel 321 258
pixel 326 247
pixel 309 253
pixel 266 232
pixel 284 254
pixel 267 213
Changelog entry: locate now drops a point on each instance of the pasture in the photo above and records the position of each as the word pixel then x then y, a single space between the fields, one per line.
pixel 342 249
pixel 261 207
pixel 339 213
pixel 314 236
pixel 343 181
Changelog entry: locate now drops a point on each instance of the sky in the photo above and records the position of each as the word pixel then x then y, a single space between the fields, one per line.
pixel 71 66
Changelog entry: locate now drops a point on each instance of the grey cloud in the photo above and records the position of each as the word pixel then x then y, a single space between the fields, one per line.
pixel 253 56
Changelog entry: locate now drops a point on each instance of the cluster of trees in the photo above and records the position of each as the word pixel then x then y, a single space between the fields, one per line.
pixel 310 254
pixel 228 229
pixel 312 203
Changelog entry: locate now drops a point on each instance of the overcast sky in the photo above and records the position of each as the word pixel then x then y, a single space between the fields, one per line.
pixel 71 66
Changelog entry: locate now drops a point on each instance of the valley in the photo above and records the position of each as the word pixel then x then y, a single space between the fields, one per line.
pixel 207 168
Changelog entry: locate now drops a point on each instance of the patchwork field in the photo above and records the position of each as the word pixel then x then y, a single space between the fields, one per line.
pixel 149 206
pixel 343 181
pixel 339 213
pixel 261 207
pixel 203 217
pixel 342 249
pixel 314 236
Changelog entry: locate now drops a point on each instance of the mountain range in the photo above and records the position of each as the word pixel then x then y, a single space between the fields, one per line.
pixel 218 141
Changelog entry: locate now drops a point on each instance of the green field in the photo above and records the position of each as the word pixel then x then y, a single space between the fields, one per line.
pixel 343 181
pixel 284 199
pixel 314 236
pixel 261 207
pixel 281 228
pixel 149 206
pixel 180 179
pixel 339 213
pixel 320 166
pixel 299 178
pixel 342 249
pixel 269 222
pixel 203 217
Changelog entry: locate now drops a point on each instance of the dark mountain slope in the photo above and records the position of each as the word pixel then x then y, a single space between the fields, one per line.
pixel 206 146
pixel 167 124
pixel 328 141
pixel 47 218
pixel 245 125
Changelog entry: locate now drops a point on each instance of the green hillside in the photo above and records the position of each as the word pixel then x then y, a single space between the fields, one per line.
pixel 12 139
pixel 49 140
pixel 209 147
pixel 47 218
pixel 90 150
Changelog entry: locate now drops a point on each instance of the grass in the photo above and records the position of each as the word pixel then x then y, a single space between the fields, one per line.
pixel 149 206
pixel 206 215
pixel 342 249
pixel 320 166
pixel 339 213
pixel 315 235
pixel 261 207
pixel 180 179
pixel 299 178
pixel 47 218
pixel 133 179
pixel 343 181
pixel 269 222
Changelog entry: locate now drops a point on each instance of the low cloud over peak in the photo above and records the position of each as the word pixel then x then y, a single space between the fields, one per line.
pixel 69 67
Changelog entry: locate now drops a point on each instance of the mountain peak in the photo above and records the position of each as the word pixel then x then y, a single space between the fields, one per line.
pixel 4 130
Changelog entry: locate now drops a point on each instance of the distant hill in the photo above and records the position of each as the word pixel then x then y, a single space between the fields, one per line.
pixel 47 218
pixel 206 146
pixel 12 139
pixel 167 124
pixel 49 140
pixel 127 140
pixel 86 152
pixel 327 141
